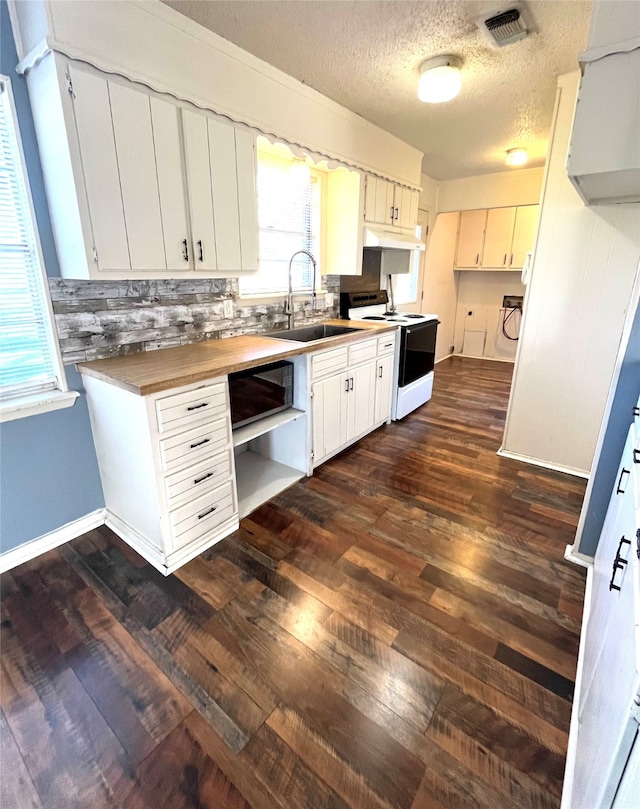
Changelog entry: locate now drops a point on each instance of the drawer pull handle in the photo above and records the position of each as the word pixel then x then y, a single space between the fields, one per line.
pixel 636 455
pixel 185 250
pixel 207 512
pixel 197 407
pixel 351 385
pixel 620 489
pixel 200 251
pixel 200 443
pixel 380 372
pixel 618 564
pixel 346 385
pixel 204 477
pixel 388 345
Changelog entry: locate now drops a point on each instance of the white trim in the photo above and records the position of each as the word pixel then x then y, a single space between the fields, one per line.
pixel 44 402
pixel 446 357
pixel 578 473
pixel 34 56
pixel 570 763
pixel 35 547
pixel 478 357
pixel 577 558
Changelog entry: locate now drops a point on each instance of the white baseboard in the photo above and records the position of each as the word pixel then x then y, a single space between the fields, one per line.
pixel 442 359
pixel 490 359
pixel 576 557
pixel 578 473
pixel 36 547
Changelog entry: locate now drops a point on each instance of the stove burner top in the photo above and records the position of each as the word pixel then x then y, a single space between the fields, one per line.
pixel 393 317
pixel 413 315
pixel 374 317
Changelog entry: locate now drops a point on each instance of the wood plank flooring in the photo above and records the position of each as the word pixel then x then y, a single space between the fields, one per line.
pixel 399 631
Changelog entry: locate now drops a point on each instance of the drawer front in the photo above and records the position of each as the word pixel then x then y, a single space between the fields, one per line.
pixel 194 445
pixel 182 410
pixel 202 515
pixel 328 362
pixel 361 352
pixel 386 344
pixel 194 481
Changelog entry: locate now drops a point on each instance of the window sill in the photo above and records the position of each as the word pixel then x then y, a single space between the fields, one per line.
pixel 23 406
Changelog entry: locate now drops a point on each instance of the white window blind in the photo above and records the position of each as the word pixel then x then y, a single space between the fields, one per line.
pixel 28 360
pixel 289 208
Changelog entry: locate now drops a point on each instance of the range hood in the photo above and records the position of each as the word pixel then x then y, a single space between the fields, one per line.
pixel 387 239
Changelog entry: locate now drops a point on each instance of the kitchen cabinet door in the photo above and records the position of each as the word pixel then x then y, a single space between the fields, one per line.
pixel 470 238
pixel 329 415
pixel 224 185
pixel 247 198
pixel 524 231
pixel 405 208
pixel 200 193
pixel 361 400
pixel 165 118
pixel 96 143
pixel 379 201
pixel 133 133
pixel 384 388
pixel 497 239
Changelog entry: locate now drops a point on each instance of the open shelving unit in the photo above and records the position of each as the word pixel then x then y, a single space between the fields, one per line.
pixel 260 479
pixel 248 432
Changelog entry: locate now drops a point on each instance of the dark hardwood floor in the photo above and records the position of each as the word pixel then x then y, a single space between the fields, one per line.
pixel 399 631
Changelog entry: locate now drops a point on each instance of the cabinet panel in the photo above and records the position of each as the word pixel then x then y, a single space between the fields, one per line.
pixel 497 238
pixel 196 144
pixel 247 207
pixel 165 118
pixel 470 238
pixel 224 183
pixel 92 110
pixel 361 400
pixel 524 231
pixel 404 208
pixel 384 202
pixel 133 133
pixel 384 388
pixel 329 415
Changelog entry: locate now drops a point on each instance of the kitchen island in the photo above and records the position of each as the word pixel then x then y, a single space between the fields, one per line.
pixel 177 477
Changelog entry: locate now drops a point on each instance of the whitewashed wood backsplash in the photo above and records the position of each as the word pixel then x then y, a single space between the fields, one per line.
pixel 97 319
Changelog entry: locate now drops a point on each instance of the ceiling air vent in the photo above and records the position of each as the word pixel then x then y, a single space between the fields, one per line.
pixel 503 27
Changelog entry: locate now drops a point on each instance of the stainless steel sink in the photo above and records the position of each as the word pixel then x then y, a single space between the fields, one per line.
pixel 309 333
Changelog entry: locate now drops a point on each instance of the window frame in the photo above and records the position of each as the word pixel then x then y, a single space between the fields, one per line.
pixel 320 175
pixel 30 402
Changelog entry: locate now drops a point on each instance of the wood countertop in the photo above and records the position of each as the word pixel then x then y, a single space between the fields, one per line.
pixel 155 371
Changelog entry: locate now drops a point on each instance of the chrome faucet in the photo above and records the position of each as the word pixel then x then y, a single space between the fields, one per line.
pixel 288 307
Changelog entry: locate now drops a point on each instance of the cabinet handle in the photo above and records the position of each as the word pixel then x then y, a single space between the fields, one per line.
pixel 346 385
pixel 477 258
pixel 388 345
pixel 636 455
pixel 619 488
pixel 618 564
pixel 351 386
pixel 511 260
pixel 185 250
pixel 200 443
pixel 207 512
pixel 504 260
pixel 204 477
pixel 396 214
pixel 636 412
pixel 392 213
pixel 200 253
pixel 380 372
pixel 197 407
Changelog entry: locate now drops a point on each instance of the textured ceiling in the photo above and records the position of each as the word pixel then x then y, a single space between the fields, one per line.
pixel 365 55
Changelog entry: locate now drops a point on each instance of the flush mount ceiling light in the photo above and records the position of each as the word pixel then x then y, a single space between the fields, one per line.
pixel 440 79
pixel 516 157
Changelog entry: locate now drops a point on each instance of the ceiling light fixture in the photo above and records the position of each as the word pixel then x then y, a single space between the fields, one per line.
pixel 516 157
pixel 440 79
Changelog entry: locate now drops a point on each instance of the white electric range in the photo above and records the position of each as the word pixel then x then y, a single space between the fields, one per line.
pixel 415 352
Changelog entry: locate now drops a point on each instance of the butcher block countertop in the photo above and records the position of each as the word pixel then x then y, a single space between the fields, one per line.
pixel 155 371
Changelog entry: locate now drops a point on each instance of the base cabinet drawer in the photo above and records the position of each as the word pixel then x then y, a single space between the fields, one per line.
pixel 195 480
pixel 361 352
pixel 329 362
pixel 205 513
pixel 194 445
pixel 184 410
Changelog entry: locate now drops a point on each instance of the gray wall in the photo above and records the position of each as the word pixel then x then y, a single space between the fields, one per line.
pixel 48 469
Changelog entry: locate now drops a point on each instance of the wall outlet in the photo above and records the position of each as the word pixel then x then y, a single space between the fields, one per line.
pixel 227 306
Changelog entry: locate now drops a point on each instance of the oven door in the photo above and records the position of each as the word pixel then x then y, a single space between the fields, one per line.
pixel 417 351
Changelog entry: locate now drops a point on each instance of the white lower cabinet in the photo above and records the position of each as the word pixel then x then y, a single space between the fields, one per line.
pixel 351 394
pixel 167 467
pixel 607 707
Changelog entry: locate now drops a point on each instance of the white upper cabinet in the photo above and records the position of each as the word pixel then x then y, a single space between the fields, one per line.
pixel 386 203
pixel 470 238
pixel 497 237
pixel 524 233
pixel 162 190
